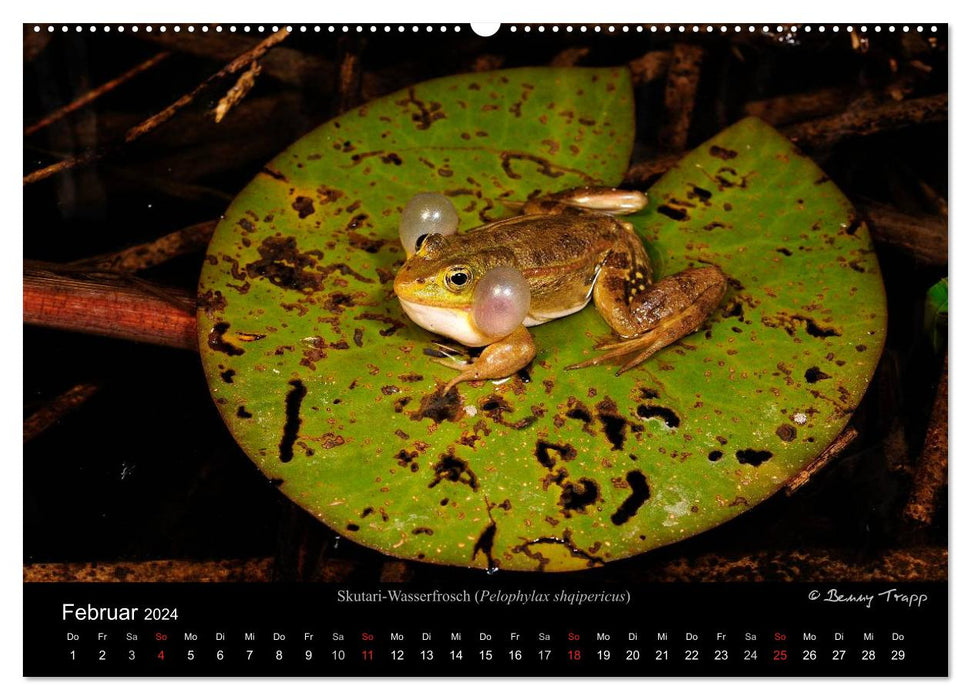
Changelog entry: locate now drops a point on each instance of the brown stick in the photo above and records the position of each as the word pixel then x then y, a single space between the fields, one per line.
pixel 787 109
pixel 160 118
pixel 815 134
pixel 162 571
pixel 684 72
pixel 931 473
pixel 825 457
pixel 290 66
pixel 898 565
pixel 146 255
pixel 895 565
pixel 823 133
pixel 569 56
pixel 237 92
pixel 107 304
pixel 649 67
pixel 48 415
pixel 92 95
pixel 349 80
pixel 924 238
pixel 642 173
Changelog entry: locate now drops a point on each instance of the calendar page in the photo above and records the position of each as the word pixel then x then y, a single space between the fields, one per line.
pixel 550 350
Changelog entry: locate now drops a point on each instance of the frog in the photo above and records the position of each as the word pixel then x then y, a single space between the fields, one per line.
pixel 485 287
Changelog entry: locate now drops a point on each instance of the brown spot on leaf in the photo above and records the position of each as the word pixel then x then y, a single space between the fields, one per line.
pixel 304 206
pixel 283 265
pixel 814 374
pixel 670 418
pixel 614 426
pixel 451 468
pixel 292 410
pixel 566 452
pixel 439 407
pixel 753 457
pixel 673 213
pixel 640 493
pixel 393 323
pixel 577 496
pixel 722 153
pixel 219 344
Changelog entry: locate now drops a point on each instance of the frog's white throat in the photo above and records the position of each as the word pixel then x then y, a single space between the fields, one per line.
pixel 450 322
pixel 457 323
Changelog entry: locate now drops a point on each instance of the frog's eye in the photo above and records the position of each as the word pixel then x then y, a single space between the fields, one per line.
pixel 458 278
pixel 500 302
pixel 426 214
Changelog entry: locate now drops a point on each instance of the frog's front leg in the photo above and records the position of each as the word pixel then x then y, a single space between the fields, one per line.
pixel 497 361
pixel 649 317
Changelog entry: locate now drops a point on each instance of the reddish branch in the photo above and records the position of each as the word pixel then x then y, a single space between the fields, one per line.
pixel 156 120
pixel 108 304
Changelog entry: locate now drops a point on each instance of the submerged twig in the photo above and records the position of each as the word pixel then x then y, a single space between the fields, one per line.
pixel 570 56
pixel 90 96
pixel 649 67
pixel 349 80
pixel 822 133
pixel 787 109
pixel 237 92
pixel 156 120
pixel 931 473
pixel 896 565
pixel 825 457
pixel 157 571
pixel 46 416
pixel 924 238
pixel 146 255
pixel 813 134
pixel 684 72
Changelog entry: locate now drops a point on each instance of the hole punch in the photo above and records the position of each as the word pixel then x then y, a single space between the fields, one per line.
pixel 485 29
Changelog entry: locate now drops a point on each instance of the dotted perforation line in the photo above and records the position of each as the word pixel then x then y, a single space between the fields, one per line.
pixel 512 28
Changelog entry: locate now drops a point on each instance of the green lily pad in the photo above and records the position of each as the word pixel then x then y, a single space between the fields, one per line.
pixel 325 384
pixel 935 314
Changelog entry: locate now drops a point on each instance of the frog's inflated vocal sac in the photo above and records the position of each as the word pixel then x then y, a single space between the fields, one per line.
pixel 486 286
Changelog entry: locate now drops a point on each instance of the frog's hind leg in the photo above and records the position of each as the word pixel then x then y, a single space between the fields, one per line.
pixel 650 317
pixel 602 200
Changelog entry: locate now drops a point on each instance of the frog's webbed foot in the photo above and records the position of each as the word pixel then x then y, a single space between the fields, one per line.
pixel 641 348
pixel 497 361
pixel 659 315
